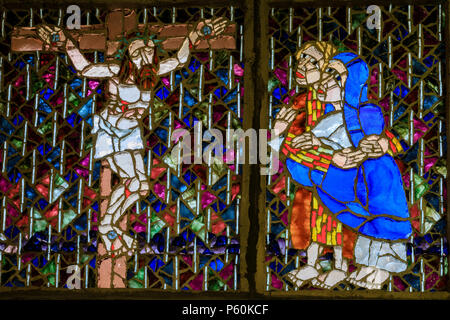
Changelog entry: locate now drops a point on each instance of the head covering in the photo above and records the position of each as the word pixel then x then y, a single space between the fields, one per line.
pixel 358 73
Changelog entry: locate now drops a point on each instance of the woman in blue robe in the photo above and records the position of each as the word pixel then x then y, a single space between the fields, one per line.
pixel 368 197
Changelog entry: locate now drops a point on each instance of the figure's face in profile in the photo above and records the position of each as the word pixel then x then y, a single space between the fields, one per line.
pixel 141 53
pixel 332 87
pixel 309 65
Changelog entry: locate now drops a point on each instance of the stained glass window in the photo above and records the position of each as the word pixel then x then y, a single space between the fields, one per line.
pixel 92 198
pixel 368 220
pixel 132 157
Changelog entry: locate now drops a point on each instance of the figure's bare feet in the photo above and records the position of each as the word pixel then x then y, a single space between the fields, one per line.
pixel 299 276
pixel 329 279
pixel 369 277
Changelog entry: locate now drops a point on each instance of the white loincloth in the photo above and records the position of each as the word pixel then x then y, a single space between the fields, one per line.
pixel 113 136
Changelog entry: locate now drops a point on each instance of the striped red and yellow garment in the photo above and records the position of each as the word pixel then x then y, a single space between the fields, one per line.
pixel 322 228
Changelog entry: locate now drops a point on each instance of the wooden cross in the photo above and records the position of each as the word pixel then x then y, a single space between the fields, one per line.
pixel 111 272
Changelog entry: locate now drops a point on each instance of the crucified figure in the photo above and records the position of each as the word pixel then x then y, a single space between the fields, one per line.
pixel 118 127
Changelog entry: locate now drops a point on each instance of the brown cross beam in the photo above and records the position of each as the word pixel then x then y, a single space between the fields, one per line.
pixel 105 37
pixel 112 271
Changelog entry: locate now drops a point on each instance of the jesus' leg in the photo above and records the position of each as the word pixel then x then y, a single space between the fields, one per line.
pixel 130 168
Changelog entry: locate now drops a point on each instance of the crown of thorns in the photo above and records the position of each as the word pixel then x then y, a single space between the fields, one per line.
pixel 124 43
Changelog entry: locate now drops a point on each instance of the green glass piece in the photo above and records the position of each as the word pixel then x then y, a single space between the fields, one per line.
pixel 135 284
pixel 16 143
pixel 357 19
pixel 45 127
pixel 68 216
pixel 273 82
pixel 51 278
pixel 141 274
pixel 326 265
pixel 49 268
pixel 73 99
pixel 59 181
pixel 39 225
pixel 215 285
pixel 156 224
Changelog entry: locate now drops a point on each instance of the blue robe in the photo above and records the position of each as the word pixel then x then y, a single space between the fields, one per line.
pixel 369 199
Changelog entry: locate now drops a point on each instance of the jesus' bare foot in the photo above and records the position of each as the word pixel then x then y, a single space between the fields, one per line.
pixel 299 276
pixel 329 279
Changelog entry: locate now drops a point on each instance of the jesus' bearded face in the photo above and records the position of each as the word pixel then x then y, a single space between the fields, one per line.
pixel 141 53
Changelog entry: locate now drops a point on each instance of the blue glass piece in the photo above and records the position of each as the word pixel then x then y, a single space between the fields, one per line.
pixel 12 162
pixel 5 126
pixel 47 93
pixel 69 233
pixel 214 206
pixel 399 112
pixel 216 265
pixel 185 212
pixel 220 184
pixel 414 281
pixel 279 93
pixel 41 204
pixel 220 92
pixel 222 206
pixel 81 223
pixel 162 134
pixel 160 149
pixel 429 61
pixel 230 213
pixel 168 268
pixel 187 121
pixel 163 93
pixel 95 206
pixel 328 108
pixel 233 248
pixel 11 232
pixel 231 96
pixel 71 119
pixel 189 177
pixel 418 68
pixel 223 75
pixel 17 120
pixel 233 107
pixel 44 148
pixel 178 78
pixel 30 193
pixel 277 228
pixel 222 195
pixel 53 155
pixel 158 206
pixel 177 184
pixel 194 65
pixel 428 116
pixel 75 83
pixel 92 262
pixel 429 101
pixel 276 266
pixel 86 110
pixel 19 64
pixel 189 99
